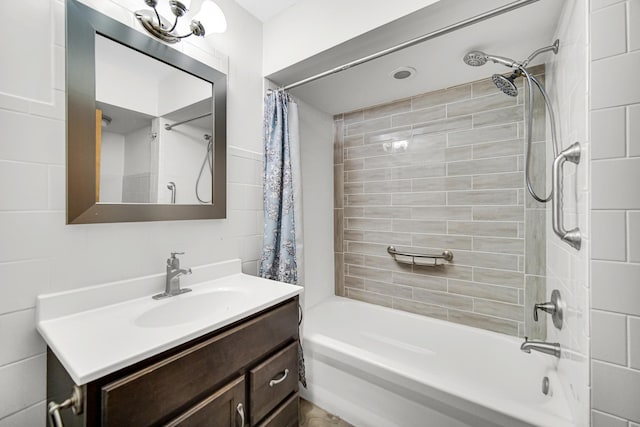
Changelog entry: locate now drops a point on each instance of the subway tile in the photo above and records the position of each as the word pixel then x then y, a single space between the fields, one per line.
pixel 480 197
pixel 499 309
pixel 27 280
pixel 401 186
pixel 503 326
pixel 480 104
pixel 634 342
pixel 490 228
pixel 419 171
pixel 30 377
pixel 446 125
pixel 443 241
pixel 485 134
pixel 355 259
pixel 498 181
pixel 353 282
pixel 387 238
pixel 338 142
pixel 440 97
pixel 353 117
pixel 369 273
pixel 338 260
pixel 634 236
pixel 608 32
pixel 368 224
pixel 364 296
pixel 475 167
pixel 351 212
pixel 498 213
pixel 368 126
pixel 598 4
pixel 385 135
pixel 18 331
pixel 609 337
pixel 449 271
pixel 420 308
pixel 634 30
pixel 420 281
pixel 439 212
pixel 538 175
pixel 419 226
pixel 368 175
pixel 495 117
pixel 32 139
pixel 615 287
pixel 535 242
pixel 441 183
pixel 624 402
pixel 32 416
pixel 401 161
pixel 608 92
pixel 419 199
pixel 338 230
pixel 388 289
pixel 353 141
pixel 608 234
pixel 387 263
pixel 352 187
pixel 487 260
pixel 499 277
pixel 610 178
pixel 513 147
pixel 498 245
pixel 599 419
pixel 338 186
pixel 443 299
pixel 453 154
pixel 368 199
pixel 392 212
pixel 363 151
pixel 633 123
pixel 481 290
pixel 419 116
pixel 608 139
pixel 388 109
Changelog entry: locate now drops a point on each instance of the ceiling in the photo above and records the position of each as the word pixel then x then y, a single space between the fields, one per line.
pixel 438 61
pixel 264 10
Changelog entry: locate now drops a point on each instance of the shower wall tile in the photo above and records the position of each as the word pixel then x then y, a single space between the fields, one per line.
pixel 610 26
pixel 437 171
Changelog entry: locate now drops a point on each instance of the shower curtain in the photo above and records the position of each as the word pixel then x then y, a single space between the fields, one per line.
pixel 282 195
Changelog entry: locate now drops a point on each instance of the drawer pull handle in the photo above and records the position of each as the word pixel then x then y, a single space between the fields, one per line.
pixel 74 402
pixel 279 380
pixel 240 409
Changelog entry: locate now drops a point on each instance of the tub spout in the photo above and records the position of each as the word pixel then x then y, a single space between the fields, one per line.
pixel 543 347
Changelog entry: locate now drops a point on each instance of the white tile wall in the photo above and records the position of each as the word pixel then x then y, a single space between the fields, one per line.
pixel 567 269
pixel 615 205
pixel 39 253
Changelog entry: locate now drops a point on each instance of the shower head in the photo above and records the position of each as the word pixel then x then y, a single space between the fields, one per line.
pixel 475 58
pixel 506 84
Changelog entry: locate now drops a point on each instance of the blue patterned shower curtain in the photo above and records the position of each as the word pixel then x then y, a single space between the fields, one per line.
pixel 282 191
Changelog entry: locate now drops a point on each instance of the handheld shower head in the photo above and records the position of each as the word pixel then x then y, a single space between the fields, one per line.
pixel 475 58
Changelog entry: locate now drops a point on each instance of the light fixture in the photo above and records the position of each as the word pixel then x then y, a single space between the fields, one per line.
pixel 210 17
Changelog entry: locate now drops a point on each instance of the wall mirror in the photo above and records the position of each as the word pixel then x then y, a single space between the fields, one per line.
pixel 146 127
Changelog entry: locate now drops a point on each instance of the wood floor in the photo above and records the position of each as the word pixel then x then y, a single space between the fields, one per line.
pixel 313 416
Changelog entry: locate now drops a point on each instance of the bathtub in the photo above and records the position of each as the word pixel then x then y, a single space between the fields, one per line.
pixel 374 366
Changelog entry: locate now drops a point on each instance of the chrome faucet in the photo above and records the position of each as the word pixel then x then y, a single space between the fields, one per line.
pixel 541 346
pixel 172 287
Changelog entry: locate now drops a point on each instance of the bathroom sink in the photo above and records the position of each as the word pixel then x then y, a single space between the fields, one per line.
pixel 190 307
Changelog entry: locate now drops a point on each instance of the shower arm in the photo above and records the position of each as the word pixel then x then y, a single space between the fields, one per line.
pixel 553 47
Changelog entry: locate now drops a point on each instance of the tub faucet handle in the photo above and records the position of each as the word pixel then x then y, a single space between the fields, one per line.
pixel 555 308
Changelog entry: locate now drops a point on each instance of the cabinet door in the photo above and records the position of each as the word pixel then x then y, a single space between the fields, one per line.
pixel 224 408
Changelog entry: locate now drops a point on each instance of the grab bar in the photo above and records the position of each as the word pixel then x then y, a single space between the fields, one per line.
pixel 446 255
pixel 571 237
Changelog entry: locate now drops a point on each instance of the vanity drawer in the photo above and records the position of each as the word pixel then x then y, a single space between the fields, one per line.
pixel 222 409
pixel 285 416
pixel 272 381
pixel 170 386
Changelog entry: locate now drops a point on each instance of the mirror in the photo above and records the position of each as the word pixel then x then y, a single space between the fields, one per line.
pixel 146 127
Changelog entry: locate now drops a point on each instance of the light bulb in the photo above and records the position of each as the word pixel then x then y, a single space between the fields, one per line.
pixel 211 17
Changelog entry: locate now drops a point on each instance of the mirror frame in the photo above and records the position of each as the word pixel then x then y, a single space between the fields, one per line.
pixel 82 25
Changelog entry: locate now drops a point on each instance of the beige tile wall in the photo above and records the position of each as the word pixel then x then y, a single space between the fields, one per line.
pixel 443 170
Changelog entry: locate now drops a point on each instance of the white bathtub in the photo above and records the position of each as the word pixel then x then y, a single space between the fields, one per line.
pixel 374 366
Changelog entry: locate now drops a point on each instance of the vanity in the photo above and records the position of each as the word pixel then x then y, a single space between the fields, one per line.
pixel 224 354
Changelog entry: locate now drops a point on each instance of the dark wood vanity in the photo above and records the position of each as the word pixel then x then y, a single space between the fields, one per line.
pixel 245 371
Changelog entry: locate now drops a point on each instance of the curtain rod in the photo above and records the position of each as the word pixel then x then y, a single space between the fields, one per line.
pixel 169 127
pixel 453 27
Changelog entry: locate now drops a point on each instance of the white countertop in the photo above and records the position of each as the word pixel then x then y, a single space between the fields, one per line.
pixel 98 330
